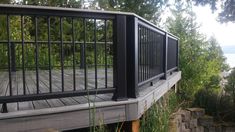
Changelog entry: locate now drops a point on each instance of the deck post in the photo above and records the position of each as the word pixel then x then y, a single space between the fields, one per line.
pixel 135 125
pixel 120 78
pixel 165 52
pixel 131 126
pixel 132 56
pixel 4 108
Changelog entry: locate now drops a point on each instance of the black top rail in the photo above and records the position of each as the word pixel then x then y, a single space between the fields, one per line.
pixel 52 52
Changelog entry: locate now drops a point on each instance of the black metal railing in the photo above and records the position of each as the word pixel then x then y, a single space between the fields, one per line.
pixel 152 54
pixel 48 52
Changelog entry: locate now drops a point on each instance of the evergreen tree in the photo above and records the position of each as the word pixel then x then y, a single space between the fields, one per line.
pixel 148 9
pixel 200 59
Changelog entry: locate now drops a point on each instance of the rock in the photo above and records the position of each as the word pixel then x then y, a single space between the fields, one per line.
pixel 196 112
pixel 186 115
pixel 200 129
pixel 175 123
pixel 229 129
pixel 212 129
pixel 185 125
pixel 206 121
pixel 193 123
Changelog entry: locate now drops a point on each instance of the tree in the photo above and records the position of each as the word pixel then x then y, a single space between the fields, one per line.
pixel 228 11
pixel 230 86
pixel 201 60
pixel 56 3
pixel 148 9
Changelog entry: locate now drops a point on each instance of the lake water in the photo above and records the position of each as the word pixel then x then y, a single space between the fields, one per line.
pixel 230 59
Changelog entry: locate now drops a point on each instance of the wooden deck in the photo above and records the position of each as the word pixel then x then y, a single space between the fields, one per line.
pixel 80 115
pixel 30 79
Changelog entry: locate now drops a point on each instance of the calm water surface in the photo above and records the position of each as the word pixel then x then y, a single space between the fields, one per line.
pixel 230 59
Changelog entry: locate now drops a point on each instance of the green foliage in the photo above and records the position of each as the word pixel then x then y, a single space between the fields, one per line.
pixel 42 38
pixel 56 3
pixel 200 59
pixel 207 99
pixel 148 9
pixel 157 117
pixel 230 86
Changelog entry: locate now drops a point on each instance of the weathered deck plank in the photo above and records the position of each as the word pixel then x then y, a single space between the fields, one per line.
pixel 13 106
pixel 30 83
pixel 2 88
pixel 39 104
pixel 28 105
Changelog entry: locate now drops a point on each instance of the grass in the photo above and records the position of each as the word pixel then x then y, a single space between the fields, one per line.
pixel 156 119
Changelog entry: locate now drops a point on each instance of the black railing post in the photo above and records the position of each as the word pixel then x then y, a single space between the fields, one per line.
pixel 165 50
pixel 132 56
pixel 13 57
pixel 120 79
pixel 4 108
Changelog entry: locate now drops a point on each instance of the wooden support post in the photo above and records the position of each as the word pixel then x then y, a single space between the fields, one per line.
pixel 135 125
pixel 130 126
pixel 175 88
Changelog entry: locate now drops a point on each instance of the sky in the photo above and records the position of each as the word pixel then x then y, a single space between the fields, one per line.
pixel 224 33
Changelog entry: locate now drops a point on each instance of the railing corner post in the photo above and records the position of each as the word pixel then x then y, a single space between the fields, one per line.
pixel 120 70
pixel 132 57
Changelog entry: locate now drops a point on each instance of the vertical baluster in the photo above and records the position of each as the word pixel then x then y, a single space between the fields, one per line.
pixel 84 53
pixel 9 55
pixel 36 46
pixel 145 53
pixel 105 53
pixel 148 53
pixel 74 48
pixel 49 52
pixel 95 54
pixel 23 64
pixel 141 53
pixel 62 54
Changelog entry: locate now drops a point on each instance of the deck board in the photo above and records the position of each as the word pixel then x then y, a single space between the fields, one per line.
pixel 30 83
pixel 28 105
pixel 44 88
pixel 13 106
pixel 4 85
